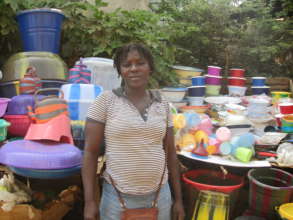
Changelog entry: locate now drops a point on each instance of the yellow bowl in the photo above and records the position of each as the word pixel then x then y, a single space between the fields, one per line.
pixel 187 72
pixel 286 211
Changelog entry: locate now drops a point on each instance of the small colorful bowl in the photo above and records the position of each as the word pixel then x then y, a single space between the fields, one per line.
pixel 194 109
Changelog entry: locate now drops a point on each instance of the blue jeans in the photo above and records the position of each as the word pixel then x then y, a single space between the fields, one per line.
pixel 110 208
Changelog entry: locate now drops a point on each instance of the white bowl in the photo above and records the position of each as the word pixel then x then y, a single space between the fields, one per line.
pixel 173 94
pixel 237 90
pixel 195 101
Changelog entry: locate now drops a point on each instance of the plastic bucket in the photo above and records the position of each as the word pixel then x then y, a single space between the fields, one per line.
pixel 269 187
pixel 40 29
pixel 202 180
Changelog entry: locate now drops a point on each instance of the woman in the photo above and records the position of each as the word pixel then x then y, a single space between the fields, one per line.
pixel 138 133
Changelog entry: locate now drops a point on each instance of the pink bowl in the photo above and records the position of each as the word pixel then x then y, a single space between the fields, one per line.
pixel 19 124
pixel 213 80
pixel 214 70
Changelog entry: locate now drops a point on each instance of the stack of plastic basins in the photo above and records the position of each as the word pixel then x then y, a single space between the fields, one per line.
pixel 236 82
pixel 40 31
pixel 213 81
pixel 258 86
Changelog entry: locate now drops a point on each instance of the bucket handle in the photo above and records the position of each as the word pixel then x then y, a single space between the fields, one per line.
pixel 45 90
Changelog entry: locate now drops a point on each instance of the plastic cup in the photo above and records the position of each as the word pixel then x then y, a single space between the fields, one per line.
pixel 243 154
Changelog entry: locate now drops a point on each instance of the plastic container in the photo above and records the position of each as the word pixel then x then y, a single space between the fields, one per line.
pixel 40 155
pixel 19 124
pixel 3 129
pixel 258 81
pixel 56 129
pixel 286 108
pixel 79 97
pixel 213 80
pixel 40 29
pixel 269 187
pixel 173 94
pixel 196 91
pixel 214 70
pixel 287 124
pixel 195 101
pixel 236 81
pixel 102 72
pixel 213 90
pixel 187 72
pixel 286 211
pixel 18 104
pixel 48 66
pixel 237 72
pixel 258 90
pixel 3 105
pixel 46 174
pixel 203 179
pixel 211 205
pixel 194 109
pixel 237 90
pixel 198 81
pixel 9 89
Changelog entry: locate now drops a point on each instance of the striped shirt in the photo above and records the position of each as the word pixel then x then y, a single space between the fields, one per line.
pixel 134 152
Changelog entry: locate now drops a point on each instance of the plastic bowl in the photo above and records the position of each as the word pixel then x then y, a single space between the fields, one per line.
pixel 3 105
pixel 237 90
pixel 237 72
pixel 195 101
pixel 187 71
pixel 258 81
pixel 19 124
pixel 196 91
pixel 198 81
pixel 286 108
pixel 258 90
pixel 173 94
pixel 194 109
pixel 213 90
pixel 213 80
pixel 235 182
pixel 214 70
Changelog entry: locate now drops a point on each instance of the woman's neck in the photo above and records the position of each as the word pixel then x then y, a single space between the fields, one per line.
pixel 135 93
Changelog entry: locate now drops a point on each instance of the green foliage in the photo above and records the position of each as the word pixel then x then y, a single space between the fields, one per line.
pixel 252 35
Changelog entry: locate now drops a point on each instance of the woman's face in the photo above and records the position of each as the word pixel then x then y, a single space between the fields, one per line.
pixel 135 70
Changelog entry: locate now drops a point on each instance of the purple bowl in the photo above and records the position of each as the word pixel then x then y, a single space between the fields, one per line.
pixel 214 70
pixel 40 155
pixel 18 104
pixel 3 105
pixel 196 91
pixel 213 80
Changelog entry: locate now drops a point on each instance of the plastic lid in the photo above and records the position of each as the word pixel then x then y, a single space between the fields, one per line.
pixel 50 10
pixel 40 155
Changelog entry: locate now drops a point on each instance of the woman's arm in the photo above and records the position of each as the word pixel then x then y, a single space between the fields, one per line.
pixel 173 167
pixel 94 136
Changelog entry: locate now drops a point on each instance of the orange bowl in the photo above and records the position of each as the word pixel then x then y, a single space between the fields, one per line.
pixel 194 109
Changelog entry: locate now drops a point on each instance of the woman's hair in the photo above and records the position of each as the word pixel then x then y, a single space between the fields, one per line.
pixel 122 52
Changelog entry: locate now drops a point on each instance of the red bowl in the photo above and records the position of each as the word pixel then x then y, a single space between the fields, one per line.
pixel 236 81
pixel 286 108
pixel 237 72
pixel 19 124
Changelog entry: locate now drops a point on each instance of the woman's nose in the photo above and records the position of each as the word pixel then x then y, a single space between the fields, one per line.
pixel 133 67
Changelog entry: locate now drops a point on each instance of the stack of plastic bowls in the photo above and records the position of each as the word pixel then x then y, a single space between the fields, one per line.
pixel 236 82
pixel 185 73
pixel 258 86
pixel 196 92
pixel 213 81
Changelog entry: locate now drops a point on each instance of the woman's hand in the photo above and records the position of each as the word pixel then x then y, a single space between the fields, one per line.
pixel 178 212
pixel 91 211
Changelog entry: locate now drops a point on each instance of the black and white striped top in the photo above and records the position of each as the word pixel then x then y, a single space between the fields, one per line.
pixel 135 156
